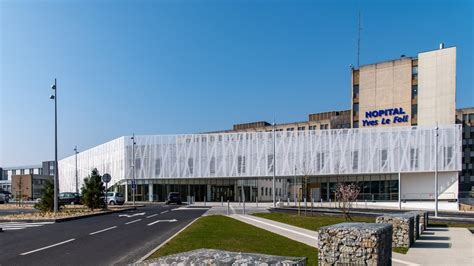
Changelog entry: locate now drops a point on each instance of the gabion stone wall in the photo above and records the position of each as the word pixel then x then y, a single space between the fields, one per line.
pixel 416 228
pixel 402 235
pixel 355 244
pixel 423 220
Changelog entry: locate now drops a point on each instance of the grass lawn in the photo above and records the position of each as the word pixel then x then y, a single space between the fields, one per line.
pixel 450 224
pixel 220 232
pixel 310 222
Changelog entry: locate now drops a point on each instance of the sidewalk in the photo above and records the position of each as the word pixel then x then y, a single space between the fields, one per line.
pixel 436 246
pixel 299 234
pixel 440 246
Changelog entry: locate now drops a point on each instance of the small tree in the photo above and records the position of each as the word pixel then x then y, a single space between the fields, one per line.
pixel 93 190
pixel 46 204
pixel 346 194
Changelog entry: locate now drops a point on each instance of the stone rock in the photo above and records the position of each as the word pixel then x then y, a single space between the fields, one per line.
pixel 403 228
pixel 355 244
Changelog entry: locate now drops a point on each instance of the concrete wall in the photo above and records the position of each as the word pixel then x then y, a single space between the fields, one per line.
pixel 421 185
pixel 385 85
pixel 437 87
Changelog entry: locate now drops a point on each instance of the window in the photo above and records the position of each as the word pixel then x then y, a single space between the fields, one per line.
pixel 241 164
pixel 355 160
pixel 270 191
pixel 356 124
pixel 157 167
pixel 270 163
pixel 191 166
pixel 414 91
pixel 212 165
pixel 413 158
pixel 324 126
pixel 266 191
pixel 261 194
pixel 414 110
pixel 356 108
pixel 313 127
pixel 301 128
pixel 356 89
pixel 414 70
pixel 290 129
pixel 383 158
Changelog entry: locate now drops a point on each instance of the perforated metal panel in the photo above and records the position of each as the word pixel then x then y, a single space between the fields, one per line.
pixel 233 155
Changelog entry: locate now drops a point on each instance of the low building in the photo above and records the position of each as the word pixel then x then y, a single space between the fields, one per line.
pixel 29 186
pixel 46 168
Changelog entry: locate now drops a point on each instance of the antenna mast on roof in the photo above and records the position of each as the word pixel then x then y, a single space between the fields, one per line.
pixel 359 28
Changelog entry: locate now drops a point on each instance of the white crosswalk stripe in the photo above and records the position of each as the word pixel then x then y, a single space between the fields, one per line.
pixel 7 226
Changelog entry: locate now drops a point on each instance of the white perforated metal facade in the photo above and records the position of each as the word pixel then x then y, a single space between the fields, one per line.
pixel 250 154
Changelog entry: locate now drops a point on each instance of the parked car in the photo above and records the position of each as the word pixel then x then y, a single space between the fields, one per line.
pixel 69 198
pixel 115 198
pixel 4 197
pixel 173 197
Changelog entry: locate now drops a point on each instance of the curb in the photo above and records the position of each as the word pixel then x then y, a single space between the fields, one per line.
pixel 59 220
pixel 164 243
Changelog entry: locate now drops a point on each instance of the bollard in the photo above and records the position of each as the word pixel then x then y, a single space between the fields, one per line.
pixel 227 207
pixel 295 202
pixel 288 199
pixel 305 207
pixel 222 201
pixel 321 202
pixel 243 209
pixel 204 200
pixel 312 205
pixel 239 201
pixel 366 204
pixel 256 201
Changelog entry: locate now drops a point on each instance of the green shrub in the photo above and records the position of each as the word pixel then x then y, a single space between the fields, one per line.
pixel 93 191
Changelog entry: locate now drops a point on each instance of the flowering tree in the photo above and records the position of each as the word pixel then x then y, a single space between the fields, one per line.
pixel 346 194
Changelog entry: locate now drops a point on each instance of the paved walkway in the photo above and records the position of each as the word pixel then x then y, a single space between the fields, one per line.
pixel 299 234
pixel 436 246
pixel 440 246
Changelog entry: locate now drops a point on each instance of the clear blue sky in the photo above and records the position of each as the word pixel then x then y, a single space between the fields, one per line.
pixel 161 67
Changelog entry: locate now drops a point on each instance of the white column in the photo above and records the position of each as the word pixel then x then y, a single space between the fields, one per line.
pixel 126 190
pixel 150 192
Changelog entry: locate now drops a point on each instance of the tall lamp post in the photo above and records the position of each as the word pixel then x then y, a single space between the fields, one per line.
pixel 77 183
pixel 436 170
pixel 133 168
pixel 56 179
pixel 274 166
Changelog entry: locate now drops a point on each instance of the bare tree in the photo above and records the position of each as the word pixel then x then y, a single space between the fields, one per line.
pixel 346 194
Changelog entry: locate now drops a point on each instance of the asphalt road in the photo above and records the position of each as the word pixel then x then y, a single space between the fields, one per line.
pixel 119 238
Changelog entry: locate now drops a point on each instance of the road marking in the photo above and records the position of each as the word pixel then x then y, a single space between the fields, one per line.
pixel 279 227
pixel 131 215
pixel 405 262
pixel 163 221
pixel 103 230
pixel 164 212
pixel 21 225
pixel 134 221
pixel 153 215
pixel 50 246
pixel 188 209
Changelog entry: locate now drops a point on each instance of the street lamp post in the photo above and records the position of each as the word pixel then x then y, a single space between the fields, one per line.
pixel 133 168
pixel 77 183
pixel 56 179
pixel 436 171
pixel 274 165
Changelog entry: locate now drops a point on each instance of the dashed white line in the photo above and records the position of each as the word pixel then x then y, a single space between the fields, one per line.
pixel 134 221
pixel 50 246
pixel 164 212
pixel 103 230
pixel 153 215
